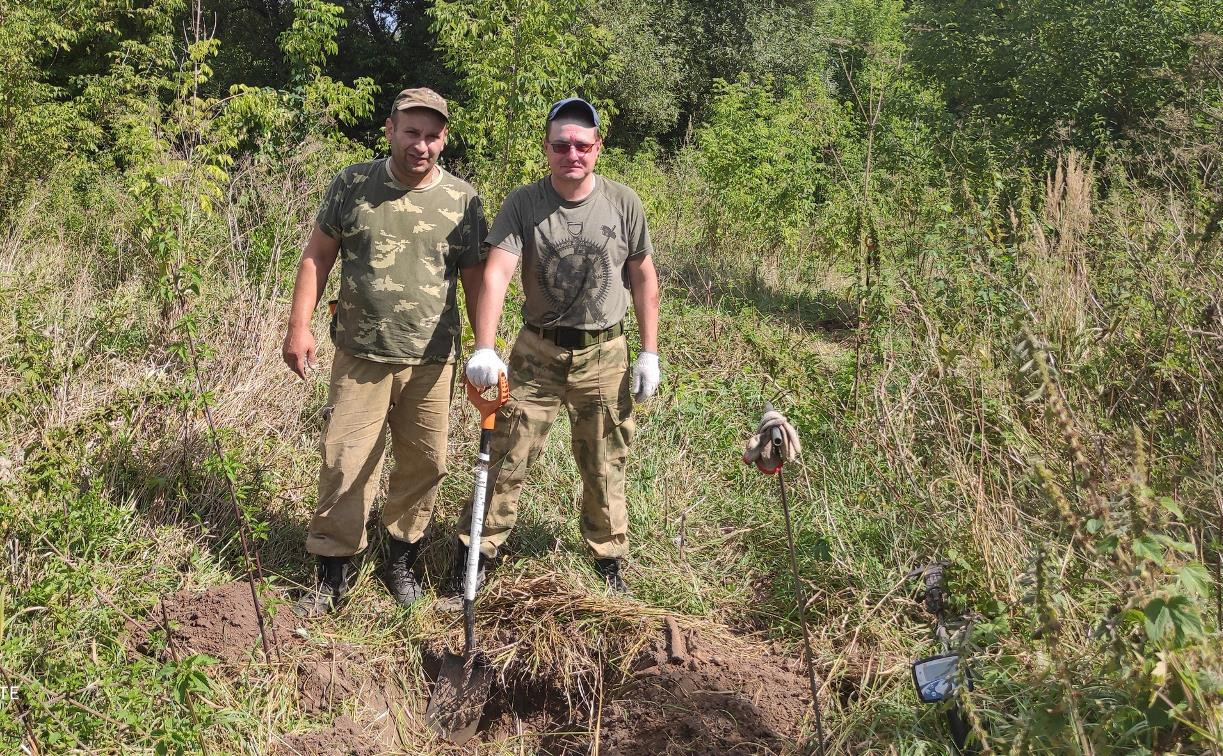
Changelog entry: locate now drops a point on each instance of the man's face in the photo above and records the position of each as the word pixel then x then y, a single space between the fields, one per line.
pixel 417 136
pixel 571 138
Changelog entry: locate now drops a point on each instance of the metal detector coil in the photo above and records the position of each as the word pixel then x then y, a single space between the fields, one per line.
pixel 936 677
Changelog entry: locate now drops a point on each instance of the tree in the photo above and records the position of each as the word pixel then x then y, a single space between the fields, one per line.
pixel 1031 75
pixel 514 58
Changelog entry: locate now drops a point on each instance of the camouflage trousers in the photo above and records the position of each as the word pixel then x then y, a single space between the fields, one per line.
pixel 364 398
pixel 593 385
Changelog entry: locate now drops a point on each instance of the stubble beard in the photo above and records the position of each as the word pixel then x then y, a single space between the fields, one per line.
pixel 407 167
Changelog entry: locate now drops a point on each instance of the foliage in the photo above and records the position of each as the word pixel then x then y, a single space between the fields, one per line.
pixel 645 43
pixel 1029 76
pixel 38 123
pixel 515 58
pixel 670 54
pixel 999 352
pixel 762 153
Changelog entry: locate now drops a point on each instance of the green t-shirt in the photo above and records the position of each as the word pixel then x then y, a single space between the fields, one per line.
pixel 573 253
pixel 400 252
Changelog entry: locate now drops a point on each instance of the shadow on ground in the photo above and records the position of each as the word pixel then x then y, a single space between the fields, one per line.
pixel 813 311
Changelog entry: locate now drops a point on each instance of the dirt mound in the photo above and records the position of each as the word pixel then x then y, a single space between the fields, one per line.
pixel 685 691
pixel 704 694
pixel 343 738
pixel 219 622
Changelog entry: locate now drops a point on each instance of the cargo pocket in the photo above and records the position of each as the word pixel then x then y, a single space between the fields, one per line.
pixel 509 425
pixel 620 429
pixel 324 424
pixel 618 405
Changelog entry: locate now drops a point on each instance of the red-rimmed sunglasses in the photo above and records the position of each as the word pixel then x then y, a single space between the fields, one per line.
pixel 562 148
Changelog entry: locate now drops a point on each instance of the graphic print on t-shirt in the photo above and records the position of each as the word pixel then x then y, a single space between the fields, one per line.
pixel 575 256
pixel 575 274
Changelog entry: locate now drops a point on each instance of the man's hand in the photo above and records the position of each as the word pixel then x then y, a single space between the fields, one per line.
pixel 485 367
pixel 317 259
pixel 646 376
pixel 298 350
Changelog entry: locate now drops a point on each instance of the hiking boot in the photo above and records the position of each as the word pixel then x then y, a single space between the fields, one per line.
pixel 328 591
pixel 400 577
pixel 458 572
pixel 610 570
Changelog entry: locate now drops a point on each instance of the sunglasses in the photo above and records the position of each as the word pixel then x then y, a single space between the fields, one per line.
pixel 562 148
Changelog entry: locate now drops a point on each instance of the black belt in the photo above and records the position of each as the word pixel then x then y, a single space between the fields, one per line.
pixel 576 338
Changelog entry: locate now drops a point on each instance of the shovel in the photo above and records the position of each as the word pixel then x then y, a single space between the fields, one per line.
pixel 462 683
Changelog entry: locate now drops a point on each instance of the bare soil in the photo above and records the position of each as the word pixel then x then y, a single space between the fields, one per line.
pixel 702 694
pixel 343 738
pixel 687 692
pixel 221 622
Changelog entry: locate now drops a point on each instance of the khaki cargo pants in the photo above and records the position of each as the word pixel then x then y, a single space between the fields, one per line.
pixel 364 398
pixel 593 385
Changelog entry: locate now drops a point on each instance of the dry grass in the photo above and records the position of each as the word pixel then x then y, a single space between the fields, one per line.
pixel 548 624
pixel 937 458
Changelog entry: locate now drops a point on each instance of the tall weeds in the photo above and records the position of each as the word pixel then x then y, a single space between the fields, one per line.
pixel 1041 410
pixel 1068 423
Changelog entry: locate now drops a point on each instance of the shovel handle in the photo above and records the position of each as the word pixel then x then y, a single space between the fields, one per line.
pixel 488 406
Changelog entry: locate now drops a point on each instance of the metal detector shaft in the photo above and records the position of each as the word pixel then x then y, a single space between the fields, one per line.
pixel 778 442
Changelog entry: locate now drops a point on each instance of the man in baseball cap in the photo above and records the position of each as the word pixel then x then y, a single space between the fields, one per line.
pixel 405 230
pixel 586 257
pixel 574 106
pixel 421 97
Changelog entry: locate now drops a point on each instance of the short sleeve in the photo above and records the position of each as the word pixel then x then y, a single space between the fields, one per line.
pixel 331 211
pixel 636 229
pixel 507 231
pixel 474 230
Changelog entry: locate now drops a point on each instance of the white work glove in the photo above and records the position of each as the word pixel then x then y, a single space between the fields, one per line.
pixel 485 367
pixel 646 376
pixel 760 446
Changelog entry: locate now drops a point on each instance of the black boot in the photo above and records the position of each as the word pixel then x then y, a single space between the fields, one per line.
pixel 328 590
pixel 400 577
pixel 458 573
pixel 610 570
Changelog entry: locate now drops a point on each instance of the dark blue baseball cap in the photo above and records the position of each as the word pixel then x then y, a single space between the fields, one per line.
pixel 577 104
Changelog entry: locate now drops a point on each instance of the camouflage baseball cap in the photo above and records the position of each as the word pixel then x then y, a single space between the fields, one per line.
pixel 421 97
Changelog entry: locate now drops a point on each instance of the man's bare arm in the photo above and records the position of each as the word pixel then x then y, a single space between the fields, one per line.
pixel 643 278
pixel 473 281
pixel 498 270
pixel 318 258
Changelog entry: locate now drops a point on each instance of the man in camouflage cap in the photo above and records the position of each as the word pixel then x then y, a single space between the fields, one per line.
pixel 404 229
pixel 585 252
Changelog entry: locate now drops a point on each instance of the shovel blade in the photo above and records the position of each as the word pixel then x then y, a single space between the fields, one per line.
pixel 458 698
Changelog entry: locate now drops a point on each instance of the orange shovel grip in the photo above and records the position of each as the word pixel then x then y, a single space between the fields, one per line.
pixel 488 406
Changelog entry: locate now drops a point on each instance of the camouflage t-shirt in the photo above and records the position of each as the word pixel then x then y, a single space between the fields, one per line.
pixel 573 253
pixel 400 252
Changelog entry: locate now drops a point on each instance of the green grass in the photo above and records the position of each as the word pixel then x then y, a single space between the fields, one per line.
pixel 107 503
pixel 112 503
